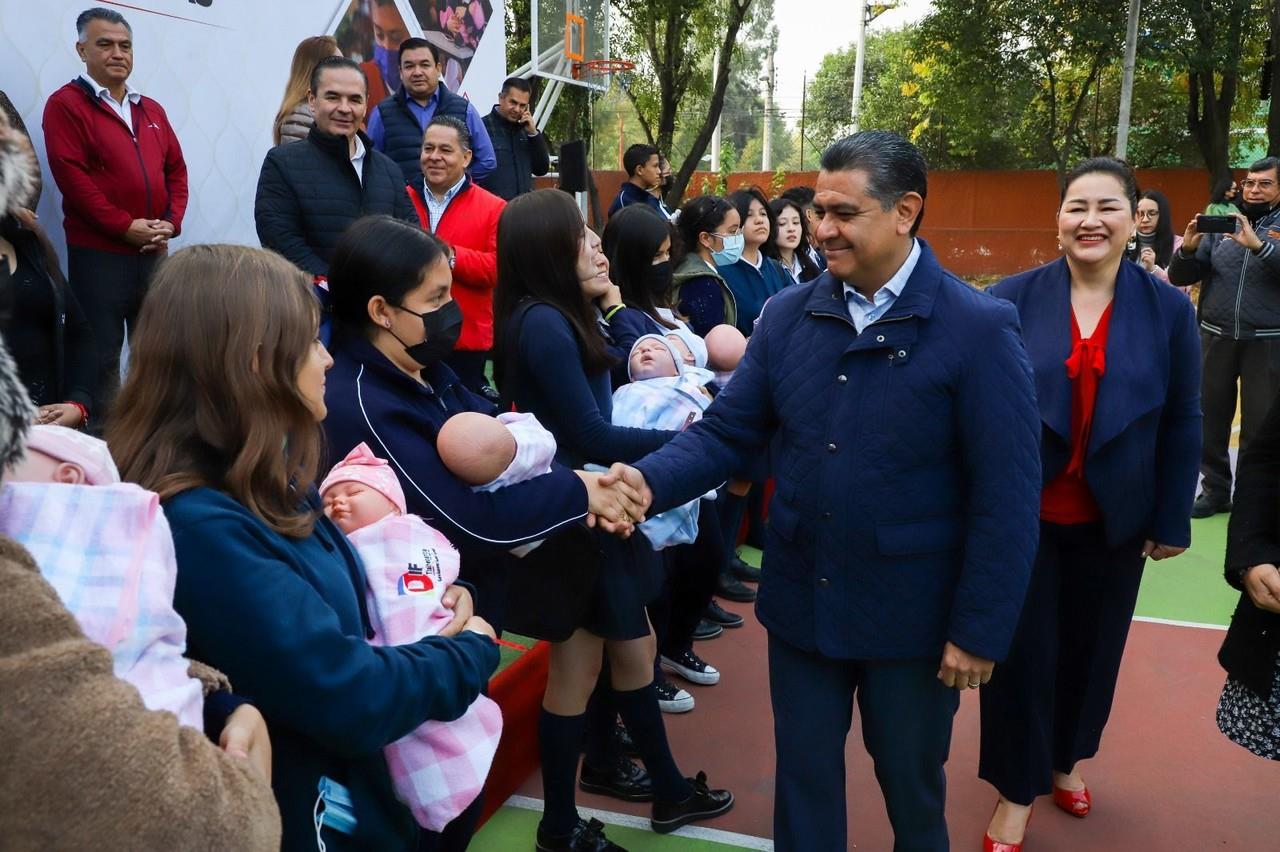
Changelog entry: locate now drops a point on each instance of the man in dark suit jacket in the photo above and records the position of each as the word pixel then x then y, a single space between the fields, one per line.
pixel 519 147
pixel 899 408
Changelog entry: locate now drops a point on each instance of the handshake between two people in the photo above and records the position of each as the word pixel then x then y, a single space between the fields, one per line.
pixel 617 500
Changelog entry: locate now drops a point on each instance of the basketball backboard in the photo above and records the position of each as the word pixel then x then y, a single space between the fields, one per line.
pixel 567 33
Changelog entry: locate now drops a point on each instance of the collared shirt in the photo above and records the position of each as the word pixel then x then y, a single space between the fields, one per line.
pixel 357 159
pixel 124 108
pixel 436 208
pixel 864 311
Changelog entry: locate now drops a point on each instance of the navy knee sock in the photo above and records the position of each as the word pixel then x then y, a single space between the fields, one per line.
pixel 600 748
pixel 559 738
pixel 640 713
pixel 732 509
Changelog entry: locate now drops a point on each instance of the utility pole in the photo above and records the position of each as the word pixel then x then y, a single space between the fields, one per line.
pixel 1126 84
pixel 860 46
pixel 869 12
pixel 766 158
pixel 715 134
pixel 804 91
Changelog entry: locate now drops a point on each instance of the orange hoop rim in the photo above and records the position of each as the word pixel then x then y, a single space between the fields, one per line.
pixel 601 67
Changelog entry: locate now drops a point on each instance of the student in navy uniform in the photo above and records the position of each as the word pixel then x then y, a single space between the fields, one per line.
pixel 395 321
pixel 644 173
pixel 755 276
pixel 220 416
pixel 551 360
pixel 710 235
pixel 901 410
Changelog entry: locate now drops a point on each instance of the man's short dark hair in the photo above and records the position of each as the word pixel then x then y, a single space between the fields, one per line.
pixel 330 63
pixel 801 195
pixel 98 13
pixel 417 44
pixel 457 125
pixel 518 83
pixel 1266 164
pixel 893 166
pixel 636 156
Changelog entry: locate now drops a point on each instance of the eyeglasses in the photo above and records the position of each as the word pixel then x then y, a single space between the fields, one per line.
pixel 1257 184
pixel 1148 214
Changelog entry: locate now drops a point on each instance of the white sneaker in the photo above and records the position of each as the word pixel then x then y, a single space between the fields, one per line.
pixel 692 668
pixel 673 699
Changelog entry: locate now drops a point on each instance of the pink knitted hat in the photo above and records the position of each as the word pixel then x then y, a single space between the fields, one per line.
pixel 88 453
pixel 362 466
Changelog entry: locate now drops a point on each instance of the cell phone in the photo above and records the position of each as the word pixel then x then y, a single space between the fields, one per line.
pixel 1217 224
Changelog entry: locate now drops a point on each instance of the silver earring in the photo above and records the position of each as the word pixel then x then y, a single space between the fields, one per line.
pixel 1133 241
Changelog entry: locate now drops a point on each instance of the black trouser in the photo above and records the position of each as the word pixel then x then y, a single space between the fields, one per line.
pixel 1046 705
pixel 695 569
pixel 110 288
pixel 1255 364
pixel 469 367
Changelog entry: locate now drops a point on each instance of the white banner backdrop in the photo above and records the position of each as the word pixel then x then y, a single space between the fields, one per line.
pixel 219 68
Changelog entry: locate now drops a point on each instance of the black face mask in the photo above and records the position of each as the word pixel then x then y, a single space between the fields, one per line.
pixel 1254 209
pixel 659 279
pixel 443 326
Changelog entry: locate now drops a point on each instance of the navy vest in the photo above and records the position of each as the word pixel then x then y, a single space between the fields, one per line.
pixel 403 135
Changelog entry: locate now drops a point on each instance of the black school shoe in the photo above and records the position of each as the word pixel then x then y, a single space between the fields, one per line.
pixel 732 589
pixel 705 803
pixel 585 837
pixel 717 614
pixel 1207 505
pixel 744 571
pixel 624 780
pixel 706 630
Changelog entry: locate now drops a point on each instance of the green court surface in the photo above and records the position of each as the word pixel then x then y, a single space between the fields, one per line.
pixel 513 830
pixel 1190 587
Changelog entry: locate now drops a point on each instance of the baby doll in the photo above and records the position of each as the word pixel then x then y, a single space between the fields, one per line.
pixel 105 547
pixel 692 348
pixel 439 768
pixel 490 453
pixel 725 348
pixel 663 394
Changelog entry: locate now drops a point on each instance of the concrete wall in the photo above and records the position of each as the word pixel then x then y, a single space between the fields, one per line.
pixel 982 223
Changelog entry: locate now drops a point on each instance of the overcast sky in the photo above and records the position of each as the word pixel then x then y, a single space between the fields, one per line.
pixel 824 27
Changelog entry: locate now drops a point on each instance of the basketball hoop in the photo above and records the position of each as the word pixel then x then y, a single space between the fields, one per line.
pixel 601 68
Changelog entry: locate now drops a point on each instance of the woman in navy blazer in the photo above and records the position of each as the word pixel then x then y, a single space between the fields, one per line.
pixel 1117 367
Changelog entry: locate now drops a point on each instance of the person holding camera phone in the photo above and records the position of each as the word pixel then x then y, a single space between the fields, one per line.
pixel 519 147
pixel 1239 273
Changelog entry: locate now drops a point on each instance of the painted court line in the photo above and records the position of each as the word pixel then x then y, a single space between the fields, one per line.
pixel 695 832
pixel 1172 623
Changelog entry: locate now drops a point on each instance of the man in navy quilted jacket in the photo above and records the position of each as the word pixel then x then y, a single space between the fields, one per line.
pixel 898 407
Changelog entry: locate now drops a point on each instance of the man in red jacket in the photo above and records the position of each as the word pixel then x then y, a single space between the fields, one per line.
pixel 119 167
pixel 465 216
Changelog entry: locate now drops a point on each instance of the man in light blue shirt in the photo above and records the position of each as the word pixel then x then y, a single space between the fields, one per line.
pixel 397 125
pixel 864 311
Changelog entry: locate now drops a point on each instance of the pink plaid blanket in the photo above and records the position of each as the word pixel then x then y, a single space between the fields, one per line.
pixel 439 768
pixel 108 553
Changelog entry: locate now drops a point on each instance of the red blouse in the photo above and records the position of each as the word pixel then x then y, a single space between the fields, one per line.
pixel 1067 499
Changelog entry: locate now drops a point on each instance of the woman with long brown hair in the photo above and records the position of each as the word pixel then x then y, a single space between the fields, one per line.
pixel 221 416
pixel 294 119
pixel 551 359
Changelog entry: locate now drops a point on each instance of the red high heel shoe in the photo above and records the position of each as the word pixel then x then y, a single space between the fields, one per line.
pixel 990 844
pixel 1075 802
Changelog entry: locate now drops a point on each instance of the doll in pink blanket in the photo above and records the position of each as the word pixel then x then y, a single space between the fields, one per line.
pixel 439 768
pixel 106 549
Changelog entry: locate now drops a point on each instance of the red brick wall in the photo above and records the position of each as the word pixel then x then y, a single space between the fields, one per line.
pixel 981 223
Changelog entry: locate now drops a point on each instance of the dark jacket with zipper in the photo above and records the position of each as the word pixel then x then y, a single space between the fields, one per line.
pixel 1253 538
pixel 520 157
pixel 1239 289
pixel 110 174
pixel 57 362
pixel 309 193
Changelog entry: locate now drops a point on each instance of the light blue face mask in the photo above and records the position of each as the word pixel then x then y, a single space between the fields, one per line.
pixel 732 251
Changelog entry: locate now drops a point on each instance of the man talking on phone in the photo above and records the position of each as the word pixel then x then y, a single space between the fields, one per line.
pixel 1239 275
pixel 518 145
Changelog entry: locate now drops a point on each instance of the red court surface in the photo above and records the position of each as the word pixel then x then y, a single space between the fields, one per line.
pixel 1166 779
